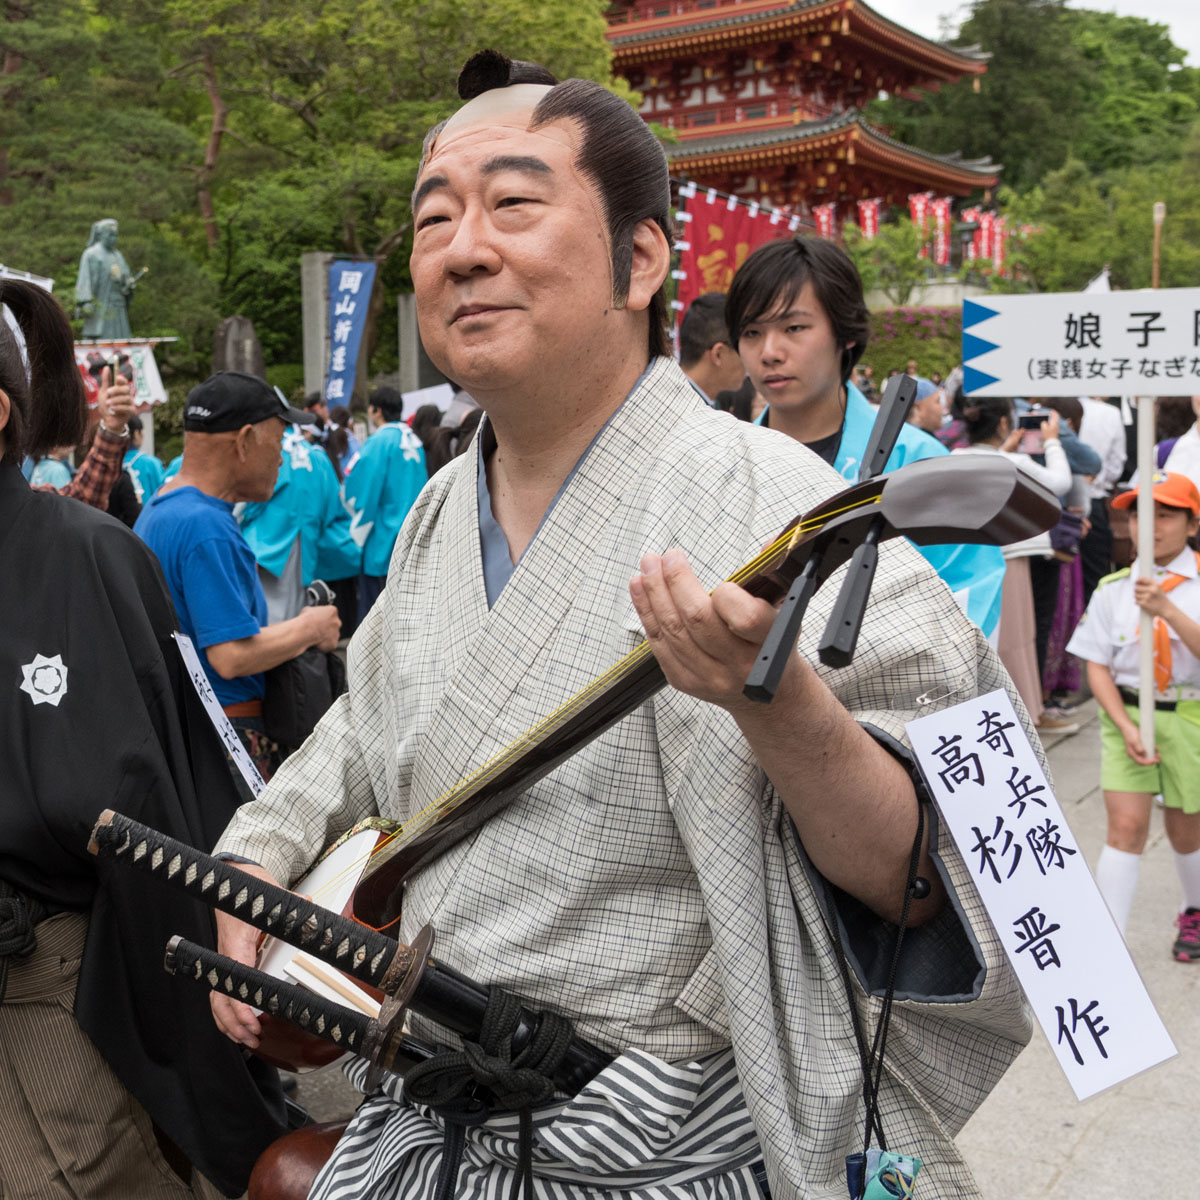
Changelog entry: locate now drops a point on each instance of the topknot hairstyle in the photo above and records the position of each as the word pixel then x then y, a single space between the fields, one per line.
pixel 618 153
pixel 490 69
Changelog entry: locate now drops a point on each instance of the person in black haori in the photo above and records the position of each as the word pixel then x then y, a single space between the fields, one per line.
pixel 113 1081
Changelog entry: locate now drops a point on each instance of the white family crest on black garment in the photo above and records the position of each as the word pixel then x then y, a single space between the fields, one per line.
pixel 45 679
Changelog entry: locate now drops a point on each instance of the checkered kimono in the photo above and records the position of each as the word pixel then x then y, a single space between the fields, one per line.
pixel 652 888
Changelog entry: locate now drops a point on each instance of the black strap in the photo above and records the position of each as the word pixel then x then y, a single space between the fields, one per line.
pixel 19 916
pixel 454 1083
pixel 872 1060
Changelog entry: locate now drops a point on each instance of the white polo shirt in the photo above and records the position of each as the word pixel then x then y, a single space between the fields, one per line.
pixel 1108 631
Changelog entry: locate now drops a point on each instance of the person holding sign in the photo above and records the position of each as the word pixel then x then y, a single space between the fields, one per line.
pixel 1131 773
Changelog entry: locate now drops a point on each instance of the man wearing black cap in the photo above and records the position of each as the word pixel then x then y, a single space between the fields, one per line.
pixel 234 427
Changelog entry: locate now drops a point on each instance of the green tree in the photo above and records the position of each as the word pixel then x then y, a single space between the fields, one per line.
pixel 889 262
pixel 1061 83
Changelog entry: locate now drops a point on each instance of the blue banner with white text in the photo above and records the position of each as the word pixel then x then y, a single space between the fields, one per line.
pixel 349 294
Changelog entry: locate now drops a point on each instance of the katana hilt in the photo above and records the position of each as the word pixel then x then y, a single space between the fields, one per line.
pixel 334 1022
pixel 407 975
pixel 371 957
pixel 382 1042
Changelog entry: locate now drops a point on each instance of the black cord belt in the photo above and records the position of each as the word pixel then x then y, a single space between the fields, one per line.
pixel 1129 696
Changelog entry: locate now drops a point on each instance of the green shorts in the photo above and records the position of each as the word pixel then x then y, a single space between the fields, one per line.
pixel 1176 775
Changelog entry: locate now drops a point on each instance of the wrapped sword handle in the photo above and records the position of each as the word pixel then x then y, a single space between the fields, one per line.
pixel 333 1022
pixel 368 956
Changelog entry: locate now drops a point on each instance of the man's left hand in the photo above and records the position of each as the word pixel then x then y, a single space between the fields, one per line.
pixel 706 644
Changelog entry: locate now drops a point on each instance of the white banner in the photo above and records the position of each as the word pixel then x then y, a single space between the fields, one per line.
pixel 216 714
pixel 1056 929
pixel 1140 343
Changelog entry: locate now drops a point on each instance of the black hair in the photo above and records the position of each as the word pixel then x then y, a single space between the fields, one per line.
pixel 737 401
pixel 1067 407
pixel 339 416
pixel 388 401
pixel 769 281
pixel 48 406
pixel 135 424
pixel 425 421
pixel 981 414
pixel 702 327
pixel 619 154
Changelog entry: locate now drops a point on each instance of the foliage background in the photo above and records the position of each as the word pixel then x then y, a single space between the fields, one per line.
pixel 230 136
pixel 933 336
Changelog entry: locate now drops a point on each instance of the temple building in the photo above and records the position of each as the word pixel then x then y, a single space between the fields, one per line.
pixel 765 97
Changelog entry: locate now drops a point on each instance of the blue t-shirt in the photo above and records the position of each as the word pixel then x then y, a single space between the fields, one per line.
pixel 212 576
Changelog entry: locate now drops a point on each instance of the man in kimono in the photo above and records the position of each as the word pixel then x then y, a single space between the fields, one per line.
pixel 664 887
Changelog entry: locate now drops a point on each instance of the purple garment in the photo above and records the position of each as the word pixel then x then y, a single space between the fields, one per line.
pixel 1062 672
pixel 1163 450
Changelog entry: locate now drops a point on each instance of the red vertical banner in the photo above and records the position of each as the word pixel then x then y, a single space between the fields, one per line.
pixel 825 217
pixel 717 234
pixel 985 238
pixel 971 216
pixel 941 231
pixel 1000 246
pixel 918 210
pixel 868 218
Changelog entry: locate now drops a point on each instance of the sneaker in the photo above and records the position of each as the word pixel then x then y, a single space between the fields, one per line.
pixel 1049 723
pixel 1062 710
pixel 1187 944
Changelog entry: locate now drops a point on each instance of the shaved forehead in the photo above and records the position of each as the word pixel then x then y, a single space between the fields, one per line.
pixel 512 105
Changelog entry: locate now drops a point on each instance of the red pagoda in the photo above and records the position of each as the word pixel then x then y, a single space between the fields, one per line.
pixel 765 98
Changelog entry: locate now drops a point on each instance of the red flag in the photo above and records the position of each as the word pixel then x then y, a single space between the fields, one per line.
pixel 986 236
pixel 717 238
pixel 918 210
pixel 941 231
pixel 1000 246
pixel 823 215
pixel 868 217
pixel 971 215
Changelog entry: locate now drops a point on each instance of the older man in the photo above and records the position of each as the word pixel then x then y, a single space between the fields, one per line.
pixel 234 427
pixel 661 888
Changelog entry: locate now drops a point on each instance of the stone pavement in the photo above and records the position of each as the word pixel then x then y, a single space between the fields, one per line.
pixel 1032 1140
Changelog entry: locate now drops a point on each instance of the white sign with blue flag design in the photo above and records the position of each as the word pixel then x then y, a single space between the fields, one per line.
pixel 349 295
pixel 1138 343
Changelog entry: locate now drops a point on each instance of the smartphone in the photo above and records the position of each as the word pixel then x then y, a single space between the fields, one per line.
pixel 1030 424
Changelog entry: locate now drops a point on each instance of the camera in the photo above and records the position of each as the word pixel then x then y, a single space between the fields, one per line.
pixel 318 592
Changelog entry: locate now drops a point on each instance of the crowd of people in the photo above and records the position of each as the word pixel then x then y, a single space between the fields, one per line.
pixel 724 896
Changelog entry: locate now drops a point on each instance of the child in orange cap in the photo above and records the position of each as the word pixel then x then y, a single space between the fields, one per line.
pixel 1131 774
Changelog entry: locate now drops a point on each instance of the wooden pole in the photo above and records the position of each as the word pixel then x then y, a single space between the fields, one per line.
pixel 1160 215
pixel 1145 562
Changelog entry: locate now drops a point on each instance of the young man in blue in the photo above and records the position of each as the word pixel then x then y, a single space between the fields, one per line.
pixel 380 489
pixel 797 316
pixel 146 471
pixel 234 426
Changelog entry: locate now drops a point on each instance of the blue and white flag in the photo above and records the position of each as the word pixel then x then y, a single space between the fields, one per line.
pixel 349 294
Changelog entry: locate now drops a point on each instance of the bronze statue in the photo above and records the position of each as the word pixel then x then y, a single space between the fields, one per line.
pixel 104 285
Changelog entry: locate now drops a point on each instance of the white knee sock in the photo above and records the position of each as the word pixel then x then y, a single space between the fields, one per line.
pixel 1188 866
pixel 1117 878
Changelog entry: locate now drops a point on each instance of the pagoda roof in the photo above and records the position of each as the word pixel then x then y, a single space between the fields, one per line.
pixel 734 25
pixel 740 148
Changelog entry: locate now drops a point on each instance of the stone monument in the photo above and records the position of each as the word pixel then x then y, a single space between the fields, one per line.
pixel 236 347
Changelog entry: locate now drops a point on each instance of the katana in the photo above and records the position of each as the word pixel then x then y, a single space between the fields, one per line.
pixel 407 975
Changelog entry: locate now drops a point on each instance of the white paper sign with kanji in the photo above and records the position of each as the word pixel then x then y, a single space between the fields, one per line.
pixel 1056 929
pixel 216 714
pixel 1137 343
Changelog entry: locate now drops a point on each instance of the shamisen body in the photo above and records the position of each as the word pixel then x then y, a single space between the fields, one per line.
pixel 661 888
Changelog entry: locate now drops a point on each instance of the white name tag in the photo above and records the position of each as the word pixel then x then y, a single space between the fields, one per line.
pixel 1057 932
pixel 216 715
